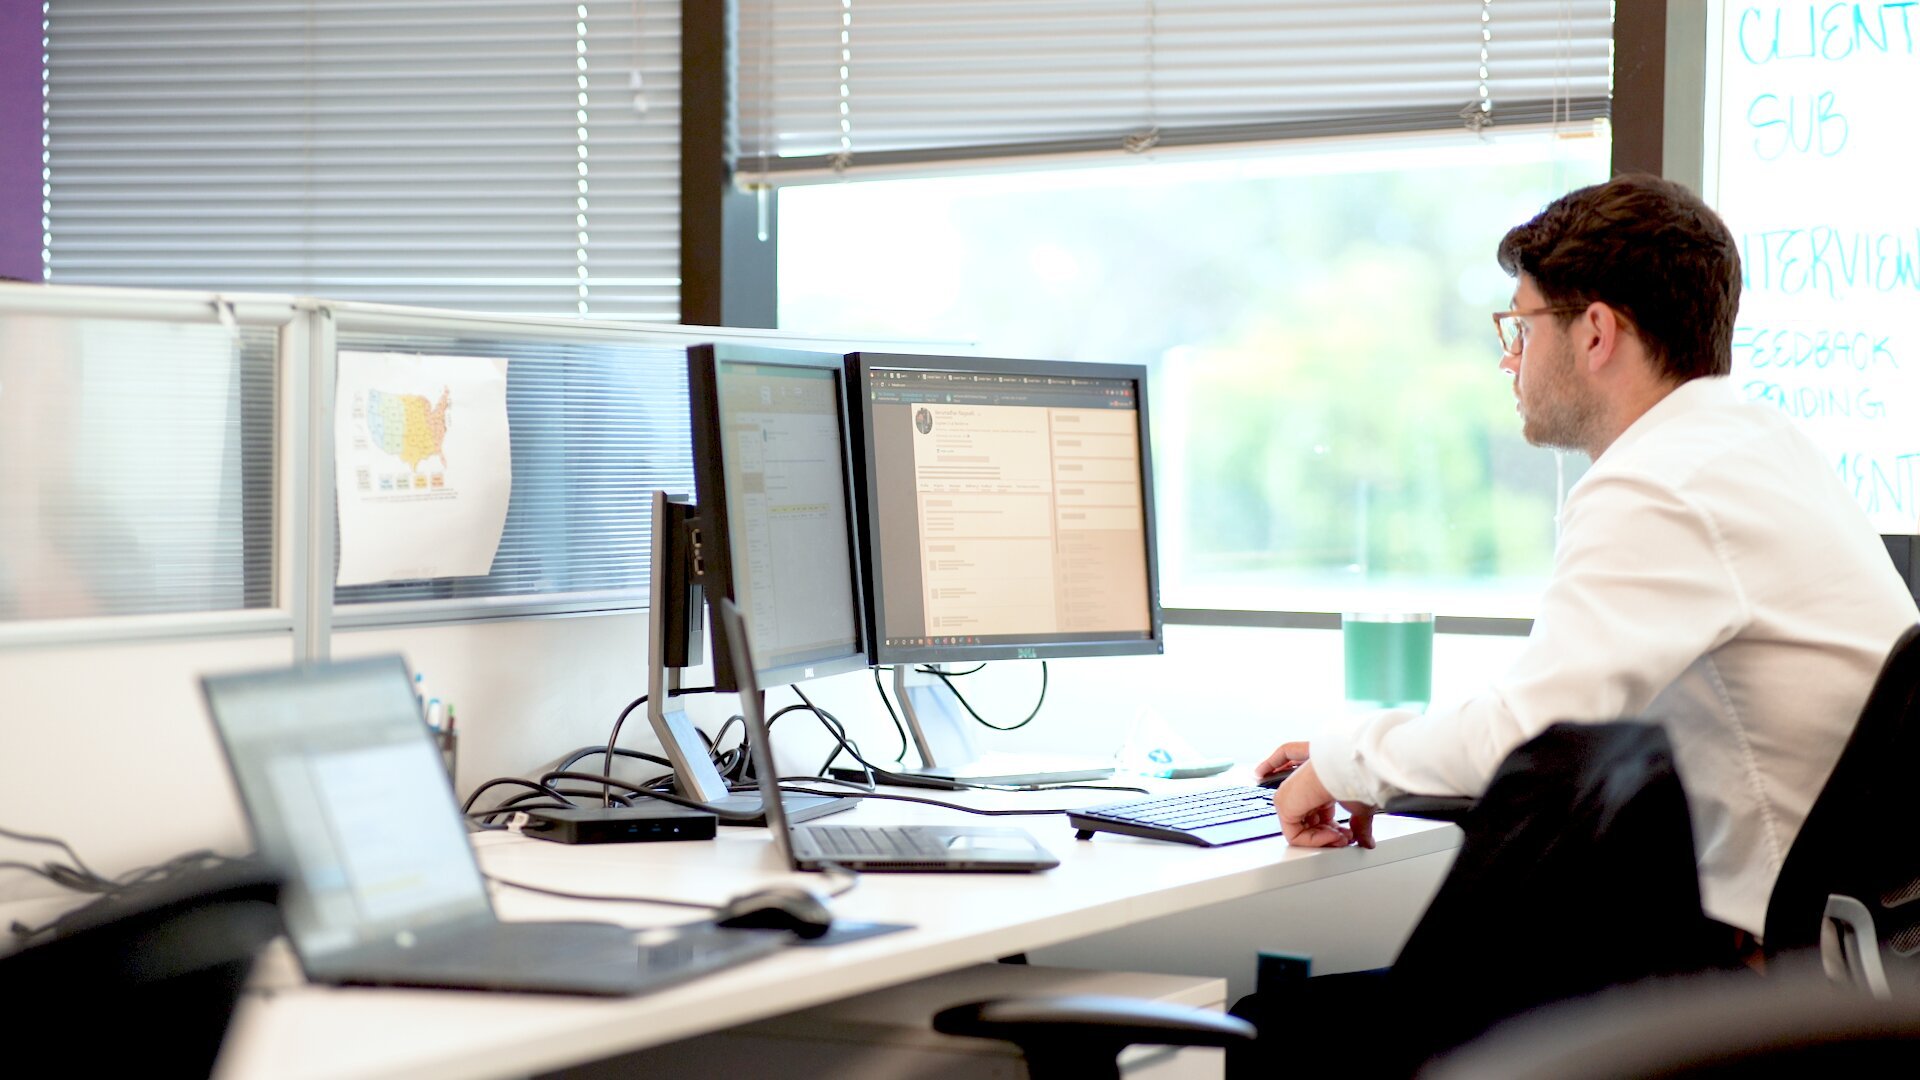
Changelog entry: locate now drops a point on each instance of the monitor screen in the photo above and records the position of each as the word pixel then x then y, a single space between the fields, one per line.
pixel 774 470
pixel 1008 508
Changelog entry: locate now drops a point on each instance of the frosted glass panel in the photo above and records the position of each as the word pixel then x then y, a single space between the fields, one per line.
pixel 136 467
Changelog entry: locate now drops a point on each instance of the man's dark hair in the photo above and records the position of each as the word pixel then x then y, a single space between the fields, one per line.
pixel 1649 249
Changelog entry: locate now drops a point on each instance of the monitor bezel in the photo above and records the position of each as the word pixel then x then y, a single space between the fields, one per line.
pixel 714 553
pixel 859 364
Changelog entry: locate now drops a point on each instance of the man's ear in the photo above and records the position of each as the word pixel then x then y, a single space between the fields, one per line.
pixel 1595 336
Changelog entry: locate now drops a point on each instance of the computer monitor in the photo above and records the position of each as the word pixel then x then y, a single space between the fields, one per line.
pixel 773 531
pixel 774 469
pixel 1009 508
pixel 1008 514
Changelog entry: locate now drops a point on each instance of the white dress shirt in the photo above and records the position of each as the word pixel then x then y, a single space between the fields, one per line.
pixel 1712 573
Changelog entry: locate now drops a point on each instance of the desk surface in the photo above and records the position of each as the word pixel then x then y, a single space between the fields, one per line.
pixel 287 1028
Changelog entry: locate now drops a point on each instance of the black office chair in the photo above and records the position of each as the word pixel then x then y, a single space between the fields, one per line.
pixel 1576 873
pixel 1082 1036
pixel 1851 882
pixel 1714 1026
pixel 142 983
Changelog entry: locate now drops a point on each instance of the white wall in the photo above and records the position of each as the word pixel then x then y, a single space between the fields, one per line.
pixel 525 691
pixel 1231 692
pixel 109 748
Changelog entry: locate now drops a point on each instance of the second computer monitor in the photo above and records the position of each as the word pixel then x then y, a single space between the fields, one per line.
pixel 1008 508
pixel 773 464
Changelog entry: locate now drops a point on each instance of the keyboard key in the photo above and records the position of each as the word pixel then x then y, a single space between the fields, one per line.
pixel 1192 810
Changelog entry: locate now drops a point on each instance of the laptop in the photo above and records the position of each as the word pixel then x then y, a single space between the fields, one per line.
pixel 347 795
pixel 929 848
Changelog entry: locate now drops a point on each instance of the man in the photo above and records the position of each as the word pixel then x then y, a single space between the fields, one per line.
pixel 1712 572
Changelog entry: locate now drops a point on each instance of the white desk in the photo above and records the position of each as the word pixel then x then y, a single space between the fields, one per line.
pixel 292 1030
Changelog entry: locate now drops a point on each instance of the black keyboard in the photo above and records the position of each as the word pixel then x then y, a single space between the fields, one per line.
pixel 1206 818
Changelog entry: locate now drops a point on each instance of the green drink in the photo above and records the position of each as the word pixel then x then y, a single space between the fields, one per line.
pixel 1389 659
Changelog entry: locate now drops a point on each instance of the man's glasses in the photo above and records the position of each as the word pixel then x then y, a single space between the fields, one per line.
pixel 1512 325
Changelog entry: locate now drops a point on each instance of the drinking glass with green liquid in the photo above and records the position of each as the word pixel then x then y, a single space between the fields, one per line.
pixel 1389 659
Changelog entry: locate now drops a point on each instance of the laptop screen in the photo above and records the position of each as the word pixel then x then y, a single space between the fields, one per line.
pixel 753 719
pixel 347 794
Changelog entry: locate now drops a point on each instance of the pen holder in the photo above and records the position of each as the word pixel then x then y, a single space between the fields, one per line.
pixel 449 743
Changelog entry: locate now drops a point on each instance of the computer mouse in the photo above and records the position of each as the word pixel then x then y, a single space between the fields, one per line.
pixel 1274 779
pixel 778 907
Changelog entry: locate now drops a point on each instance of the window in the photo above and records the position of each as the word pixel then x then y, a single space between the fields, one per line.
pixel 509 155
pixel 1330 427
pixel 840 87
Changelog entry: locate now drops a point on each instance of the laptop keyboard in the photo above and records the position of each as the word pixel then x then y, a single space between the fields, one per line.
pixel 878 842
pixel 1181 818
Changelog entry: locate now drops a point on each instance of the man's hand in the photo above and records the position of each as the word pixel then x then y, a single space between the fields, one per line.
pixel 1287 757
pixel 1306 807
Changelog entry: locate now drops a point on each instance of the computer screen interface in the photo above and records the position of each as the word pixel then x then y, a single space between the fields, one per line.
pixel 773 466
pixel 347 793
pixel 1009 509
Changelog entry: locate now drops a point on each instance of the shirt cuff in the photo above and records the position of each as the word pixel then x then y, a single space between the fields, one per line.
pixel 1340 760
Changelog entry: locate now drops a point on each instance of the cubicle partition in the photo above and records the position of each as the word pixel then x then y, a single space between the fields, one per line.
pixel 168 507
pixel 150 490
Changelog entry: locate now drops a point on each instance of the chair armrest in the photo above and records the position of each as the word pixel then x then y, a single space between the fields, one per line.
pixel 1453 808
pixel 1093 1019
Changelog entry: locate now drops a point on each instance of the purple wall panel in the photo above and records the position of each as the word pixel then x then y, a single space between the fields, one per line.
pixel 20 74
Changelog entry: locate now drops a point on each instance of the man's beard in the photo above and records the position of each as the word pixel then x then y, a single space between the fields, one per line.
pixel 1559 410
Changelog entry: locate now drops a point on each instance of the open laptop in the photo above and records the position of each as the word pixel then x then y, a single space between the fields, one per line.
pixel 875 848
pixel 347 795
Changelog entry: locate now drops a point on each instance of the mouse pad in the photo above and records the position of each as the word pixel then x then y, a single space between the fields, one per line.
pixel 845 930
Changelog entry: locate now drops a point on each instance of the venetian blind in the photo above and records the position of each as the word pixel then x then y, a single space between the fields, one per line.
pixel 843 84
pixel 506 155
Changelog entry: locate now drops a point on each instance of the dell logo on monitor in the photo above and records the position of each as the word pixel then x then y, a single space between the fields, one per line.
pixel 809 674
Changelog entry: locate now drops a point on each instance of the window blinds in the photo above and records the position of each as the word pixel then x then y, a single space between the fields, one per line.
pixel 454 153
pixel 841 84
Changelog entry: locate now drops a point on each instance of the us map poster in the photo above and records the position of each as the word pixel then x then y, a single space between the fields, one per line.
pixel 424 465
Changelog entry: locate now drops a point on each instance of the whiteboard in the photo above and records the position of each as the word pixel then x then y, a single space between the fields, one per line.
pixel 1813 159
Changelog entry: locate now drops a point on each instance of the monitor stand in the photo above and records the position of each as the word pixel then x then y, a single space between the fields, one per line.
pixel 695 777
pixel 942 735
pixel 694 774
